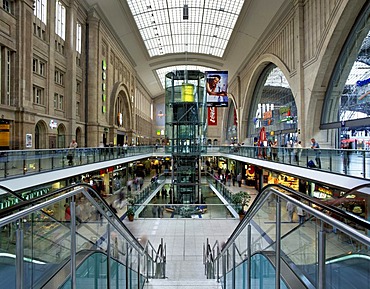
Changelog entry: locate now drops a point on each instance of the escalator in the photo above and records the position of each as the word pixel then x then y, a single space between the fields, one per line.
pixel 40 247
pixel 329 250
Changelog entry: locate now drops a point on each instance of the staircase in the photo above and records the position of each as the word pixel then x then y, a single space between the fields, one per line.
pixel 184 239
pixel 184 274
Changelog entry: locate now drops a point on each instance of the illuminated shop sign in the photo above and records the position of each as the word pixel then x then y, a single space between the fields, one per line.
pixel 53 124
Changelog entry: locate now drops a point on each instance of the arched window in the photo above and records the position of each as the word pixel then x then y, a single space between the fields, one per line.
pixel 273 107
pixel 348 96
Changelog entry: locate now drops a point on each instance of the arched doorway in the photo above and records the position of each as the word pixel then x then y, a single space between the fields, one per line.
pixel 79 136
pixel 61 141
pixel 40 135
pixel 123 117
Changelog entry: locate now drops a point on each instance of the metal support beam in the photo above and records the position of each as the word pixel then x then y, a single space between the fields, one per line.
pixel 278 243
pixel 73 243
pixel 19 256
pixel 321 257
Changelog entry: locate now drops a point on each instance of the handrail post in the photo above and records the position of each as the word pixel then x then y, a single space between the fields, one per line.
pixel 73 243
pixel 224 269
pixel 218 264
pixel 109 255
pixel 19 256
pixel 138 270
pixel 146 260
pixel 321 257
pixel 249 256
pixel 6 167
pixel 278 243
pixel 128 278
pixel 233 267
pixel 364 163
pixel 153 265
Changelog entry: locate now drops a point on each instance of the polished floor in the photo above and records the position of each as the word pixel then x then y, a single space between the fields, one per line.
pixel 184 239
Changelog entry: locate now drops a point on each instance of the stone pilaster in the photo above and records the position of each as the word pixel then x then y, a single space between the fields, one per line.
pixel 92 100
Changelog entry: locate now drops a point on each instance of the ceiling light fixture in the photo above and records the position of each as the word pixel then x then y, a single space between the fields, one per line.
pixel 185 12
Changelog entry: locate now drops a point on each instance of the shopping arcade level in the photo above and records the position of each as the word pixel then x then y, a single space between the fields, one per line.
pixel 265 248
pixel 90 236
pixel 21 169
pixel 44 244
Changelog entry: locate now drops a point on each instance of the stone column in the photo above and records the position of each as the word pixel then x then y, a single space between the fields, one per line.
pixel 21 79
pixel 70 77
pixel 92 100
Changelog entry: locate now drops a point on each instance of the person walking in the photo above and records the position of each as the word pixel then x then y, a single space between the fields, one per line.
pixel 228 179
pixel 71 151
pixel 239 179
pixel 154 211
pixel 297 151
pixel 160 211
pixel 164 193
pixel 290 207
pixel 315 145
pixel 301 215
pixel 274 150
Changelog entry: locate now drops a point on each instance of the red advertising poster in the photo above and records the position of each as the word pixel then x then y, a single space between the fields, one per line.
pixel 212 115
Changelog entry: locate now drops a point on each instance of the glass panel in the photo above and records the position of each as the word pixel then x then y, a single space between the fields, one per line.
pixel 263 273
pixel 157 19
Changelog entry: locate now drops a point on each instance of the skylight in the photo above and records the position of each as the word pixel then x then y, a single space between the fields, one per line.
pixel 206 31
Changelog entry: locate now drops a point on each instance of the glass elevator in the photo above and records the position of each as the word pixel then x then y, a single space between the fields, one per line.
pixel 185 132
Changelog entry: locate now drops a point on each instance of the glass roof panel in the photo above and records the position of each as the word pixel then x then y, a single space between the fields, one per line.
pixel 207 30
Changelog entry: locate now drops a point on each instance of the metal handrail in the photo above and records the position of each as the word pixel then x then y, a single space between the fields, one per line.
pixel 231 251
pixel 27 207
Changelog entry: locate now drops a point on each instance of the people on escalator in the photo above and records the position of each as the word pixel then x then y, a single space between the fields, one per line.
pixel 301 215
pixel 113 209
pixel 290 207
pixel 67 213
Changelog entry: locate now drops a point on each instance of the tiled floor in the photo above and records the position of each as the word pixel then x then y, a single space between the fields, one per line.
pixel 184 239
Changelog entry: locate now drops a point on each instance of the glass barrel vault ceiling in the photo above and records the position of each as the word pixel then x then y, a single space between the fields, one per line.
pixel 207 29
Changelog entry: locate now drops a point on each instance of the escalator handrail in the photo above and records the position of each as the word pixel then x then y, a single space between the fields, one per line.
pixel 31 202
pixel 26 207
pixel 9 191
pixel 64 268
pixel 346 215
pixel 41 199
pixel 272 189
pixel 332 209
pixel 350 192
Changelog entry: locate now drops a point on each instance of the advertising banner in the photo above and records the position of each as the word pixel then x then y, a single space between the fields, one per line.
pixel 212 115
pixel 216 88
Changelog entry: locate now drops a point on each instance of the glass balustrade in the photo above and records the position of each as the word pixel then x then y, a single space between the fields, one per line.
pixel 42 238
pixel 322 248
pixel 353 163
